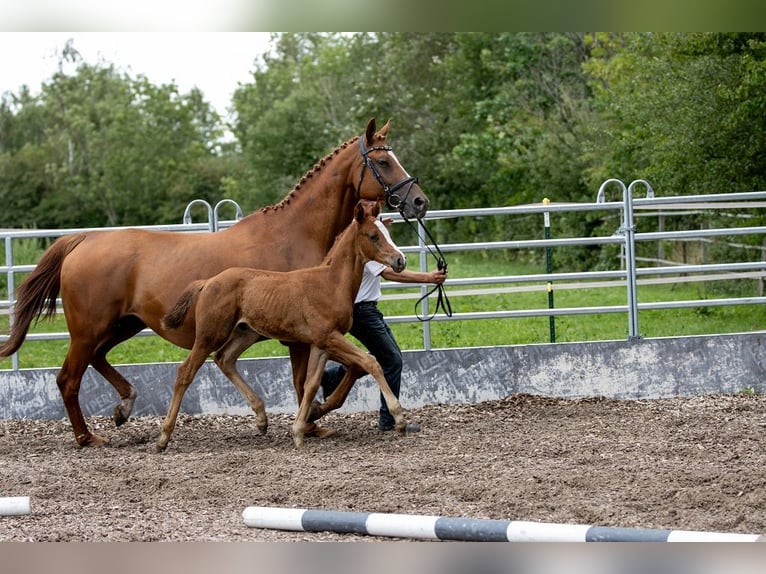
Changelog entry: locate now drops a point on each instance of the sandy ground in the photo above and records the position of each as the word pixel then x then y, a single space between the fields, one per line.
pixel 683 464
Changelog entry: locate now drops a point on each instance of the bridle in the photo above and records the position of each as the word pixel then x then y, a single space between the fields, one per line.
pixel 396 201
pixel 393 199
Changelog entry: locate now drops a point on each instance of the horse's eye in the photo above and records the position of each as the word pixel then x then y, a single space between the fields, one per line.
pixel 374 237
pixel 383 162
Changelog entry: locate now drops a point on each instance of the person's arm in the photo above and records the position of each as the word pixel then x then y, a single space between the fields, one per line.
pixel 414 276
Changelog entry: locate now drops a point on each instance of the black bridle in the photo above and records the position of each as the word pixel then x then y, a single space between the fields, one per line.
pixel 393 199
pixel 396 201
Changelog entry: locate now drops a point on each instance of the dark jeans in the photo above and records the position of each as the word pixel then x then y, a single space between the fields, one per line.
pixel 373 332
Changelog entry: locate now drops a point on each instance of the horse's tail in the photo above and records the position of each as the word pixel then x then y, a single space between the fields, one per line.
pixel 174 318
pixel 37 293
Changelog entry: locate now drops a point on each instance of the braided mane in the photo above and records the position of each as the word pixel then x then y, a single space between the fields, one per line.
pixel 318 166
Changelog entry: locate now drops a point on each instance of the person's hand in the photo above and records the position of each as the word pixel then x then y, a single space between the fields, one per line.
pixel 439 276
pixel 387 221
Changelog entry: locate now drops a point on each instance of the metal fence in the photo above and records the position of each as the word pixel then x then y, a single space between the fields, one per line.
pixel 625 236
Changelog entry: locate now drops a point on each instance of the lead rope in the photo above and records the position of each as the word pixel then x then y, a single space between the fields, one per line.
pixel 442 302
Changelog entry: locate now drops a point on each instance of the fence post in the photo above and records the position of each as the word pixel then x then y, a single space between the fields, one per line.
pixel 237 215
pixel 423 289
pixel 11 294
pixel 631 240
pixel 210 218
pixel 628 230
pixel 549 269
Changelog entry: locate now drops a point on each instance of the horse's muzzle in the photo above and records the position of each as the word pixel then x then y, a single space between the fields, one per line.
pixel 415 205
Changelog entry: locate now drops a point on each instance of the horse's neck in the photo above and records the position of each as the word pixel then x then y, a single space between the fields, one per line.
pixel 318 208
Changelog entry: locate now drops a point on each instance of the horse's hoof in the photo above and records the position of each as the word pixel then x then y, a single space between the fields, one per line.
pixel 118 417
pixel 263 427
pixel 314 430
pixel 89 439
pixel 159 449
pixel 316 411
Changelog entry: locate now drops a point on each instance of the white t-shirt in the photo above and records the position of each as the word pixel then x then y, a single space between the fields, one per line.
pixel 369 290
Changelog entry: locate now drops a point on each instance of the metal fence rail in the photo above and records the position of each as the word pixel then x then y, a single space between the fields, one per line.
pixel 625 236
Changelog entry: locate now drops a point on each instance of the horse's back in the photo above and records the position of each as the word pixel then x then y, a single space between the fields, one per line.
pixel 111 274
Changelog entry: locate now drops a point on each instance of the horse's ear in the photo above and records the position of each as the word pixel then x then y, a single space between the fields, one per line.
pixel 369 134
pixel 359 215
pixel 375 209
pixel 383 133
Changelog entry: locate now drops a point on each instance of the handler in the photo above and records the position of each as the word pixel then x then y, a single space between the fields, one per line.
pixel 373 332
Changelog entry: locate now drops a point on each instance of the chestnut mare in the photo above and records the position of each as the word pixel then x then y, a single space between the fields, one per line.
pixel 241 306
pixel 115 283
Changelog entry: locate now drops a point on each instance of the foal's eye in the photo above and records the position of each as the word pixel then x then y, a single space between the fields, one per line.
pixel 374 237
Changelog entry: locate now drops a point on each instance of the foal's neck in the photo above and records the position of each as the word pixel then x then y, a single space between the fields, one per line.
pixel 346 262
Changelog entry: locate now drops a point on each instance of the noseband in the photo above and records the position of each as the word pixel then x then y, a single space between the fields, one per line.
pixel 393 199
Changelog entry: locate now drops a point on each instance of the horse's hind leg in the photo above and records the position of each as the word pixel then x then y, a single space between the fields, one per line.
pixel 226 359
pixel 125 330
pixel 127 392
pixel 68 381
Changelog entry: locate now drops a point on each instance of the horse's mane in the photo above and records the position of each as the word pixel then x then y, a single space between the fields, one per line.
pixel 318 166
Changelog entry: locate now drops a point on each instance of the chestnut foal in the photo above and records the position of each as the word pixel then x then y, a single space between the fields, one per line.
pixel 241 306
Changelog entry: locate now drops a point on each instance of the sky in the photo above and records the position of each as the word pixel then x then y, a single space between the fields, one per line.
pixel 214 62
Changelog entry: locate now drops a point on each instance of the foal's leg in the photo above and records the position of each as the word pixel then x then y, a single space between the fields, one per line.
pixel 226 359
pixel 299 359
pixel 316 362
pixel 344 351
pixel 186 372
pixel 338 397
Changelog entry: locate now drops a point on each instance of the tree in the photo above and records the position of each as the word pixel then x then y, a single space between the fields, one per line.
pixel 98 147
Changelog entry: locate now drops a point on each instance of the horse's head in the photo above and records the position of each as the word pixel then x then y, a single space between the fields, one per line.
pixel 373 237
pixel 390 180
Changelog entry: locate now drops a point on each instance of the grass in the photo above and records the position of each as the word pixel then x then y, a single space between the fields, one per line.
pixel 488 332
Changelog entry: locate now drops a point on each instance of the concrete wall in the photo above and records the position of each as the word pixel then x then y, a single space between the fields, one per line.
pixel 647 368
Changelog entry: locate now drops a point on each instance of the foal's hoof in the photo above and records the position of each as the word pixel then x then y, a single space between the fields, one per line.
pixel 89 439
pixel 315 430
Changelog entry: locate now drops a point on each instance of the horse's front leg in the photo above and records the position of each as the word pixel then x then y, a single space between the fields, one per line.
pixel 315 367
pixel 338 397
pixel 344 351
pixel 299 359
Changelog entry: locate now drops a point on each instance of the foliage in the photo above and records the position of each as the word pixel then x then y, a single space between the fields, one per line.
pixel 483 119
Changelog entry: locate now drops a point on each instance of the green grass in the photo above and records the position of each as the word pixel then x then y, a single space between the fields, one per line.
pixel 490 332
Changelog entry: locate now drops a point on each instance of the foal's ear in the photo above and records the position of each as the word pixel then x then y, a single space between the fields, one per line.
pixel 369 134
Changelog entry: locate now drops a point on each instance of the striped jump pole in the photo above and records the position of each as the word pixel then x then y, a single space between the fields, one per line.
pixel 14 505
pixel 466 529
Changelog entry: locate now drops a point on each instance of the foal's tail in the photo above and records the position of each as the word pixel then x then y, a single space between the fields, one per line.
pixel 174 318
pixel 37 293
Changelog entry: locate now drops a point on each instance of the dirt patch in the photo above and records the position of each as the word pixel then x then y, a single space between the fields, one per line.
pixel 686 463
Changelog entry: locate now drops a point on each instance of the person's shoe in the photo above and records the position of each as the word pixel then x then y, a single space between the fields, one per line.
pixel 410 428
